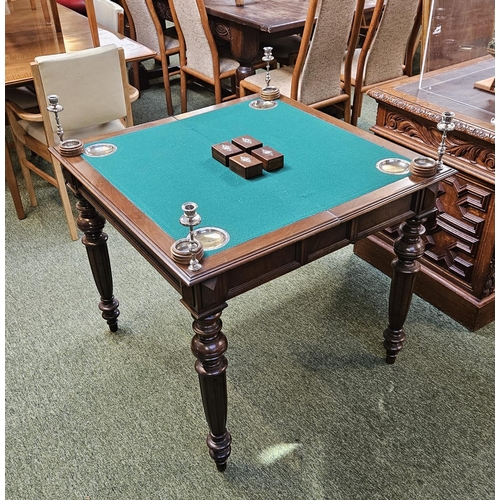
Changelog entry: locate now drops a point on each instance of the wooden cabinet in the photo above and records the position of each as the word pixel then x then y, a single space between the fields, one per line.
pixel 458 267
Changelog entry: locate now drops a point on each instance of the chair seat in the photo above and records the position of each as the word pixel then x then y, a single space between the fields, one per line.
pixel 285 49
pixel 36 130
pixel 171 43
pixel 281 78
pixel 22 96
pixel 76 5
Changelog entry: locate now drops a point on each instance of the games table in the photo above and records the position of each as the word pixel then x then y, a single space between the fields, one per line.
pixel 328 194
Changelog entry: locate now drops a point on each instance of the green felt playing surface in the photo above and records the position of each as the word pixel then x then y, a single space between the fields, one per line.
pixel 162 167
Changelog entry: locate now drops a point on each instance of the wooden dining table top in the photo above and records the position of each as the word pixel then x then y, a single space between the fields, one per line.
pixel 269 16
pixel 28 36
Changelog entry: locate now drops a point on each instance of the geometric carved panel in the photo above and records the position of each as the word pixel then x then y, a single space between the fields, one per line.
pixel 456 238
pixel 454 235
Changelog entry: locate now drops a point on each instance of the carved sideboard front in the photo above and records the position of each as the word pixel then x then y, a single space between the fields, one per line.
pixel 458 268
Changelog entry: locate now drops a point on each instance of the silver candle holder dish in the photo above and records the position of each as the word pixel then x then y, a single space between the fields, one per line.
pixel 269 95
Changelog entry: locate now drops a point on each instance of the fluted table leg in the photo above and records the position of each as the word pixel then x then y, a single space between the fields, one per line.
pixel 209 345
pixel 91 223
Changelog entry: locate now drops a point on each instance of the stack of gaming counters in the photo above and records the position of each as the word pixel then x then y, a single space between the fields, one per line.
pixel 71 147
pixel 423 166
pixel 181 251
pixel 247 156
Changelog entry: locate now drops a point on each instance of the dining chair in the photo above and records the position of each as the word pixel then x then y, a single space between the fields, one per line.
pixel 110 15
pixel 92 87
pixel 388 49
pixel 146 28
pixel 331 28
pixel 25 98
pixel 199 54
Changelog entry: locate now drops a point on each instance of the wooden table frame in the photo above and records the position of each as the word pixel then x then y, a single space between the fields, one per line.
pixel 241 268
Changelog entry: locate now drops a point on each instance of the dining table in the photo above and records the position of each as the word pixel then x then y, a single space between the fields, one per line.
pixel 27 35
pixel 253 22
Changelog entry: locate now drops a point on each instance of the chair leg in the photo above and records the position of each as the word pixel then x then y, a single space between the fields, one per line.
pixel 46 13
pixel 166 84
pixel 21 154
pixel 135 71
pixel 218 90
pixel 356 108
pixel 183 92
pixel 63 192
pixel 12 183
pixel 347 110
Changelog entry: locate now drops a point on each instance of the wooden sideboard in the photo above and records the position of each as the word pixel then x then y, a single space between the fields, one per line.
pixel 458 267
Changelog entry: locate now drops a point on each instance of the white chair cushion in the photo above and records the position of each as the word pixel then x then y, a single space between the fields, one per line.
pixel 35 130
pixel 227 64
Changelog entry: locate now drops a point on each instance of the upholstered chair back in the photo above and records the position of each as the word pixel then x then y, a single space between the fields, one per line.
pixel 199 42
pixel 387 52
pixel 110 15
pixel 320 78
pixel 90 85
pixel 146 32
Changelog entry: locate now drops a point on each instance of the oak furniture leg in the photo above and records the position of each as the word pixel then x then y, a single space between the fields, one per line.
pixel 409 248
pixel 10 177
pixel 208 346
pixel 91 223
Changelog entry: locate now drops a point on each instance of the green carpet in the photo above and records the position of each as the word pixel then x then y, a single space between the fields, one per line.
pixel 314 410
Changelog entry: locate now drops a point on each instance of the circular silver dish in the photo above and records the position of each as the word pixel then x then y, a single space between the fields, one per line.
pixel 102 149
pixel 395 166
pixel 261 104
pixel 211 238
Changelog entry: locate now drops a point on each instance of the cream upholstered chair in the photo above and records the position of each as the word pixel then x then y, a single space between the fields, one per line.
pixel 315 79
pixel 388 49
pixel 199 54
pixel 110 15
pixel 92 87
pixel 146 28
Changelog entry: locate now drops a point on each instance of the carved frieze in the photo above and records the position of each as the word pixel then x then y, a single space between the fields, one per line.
pixel 220 30
pixel 463 149
pixel 428 114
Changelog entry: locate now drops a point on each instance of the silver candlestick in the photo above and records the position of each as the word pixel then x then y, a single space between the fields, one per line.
pixel 445 125
pixel 69 147
pixel 191 218
pixel 268 94
pixel 56 108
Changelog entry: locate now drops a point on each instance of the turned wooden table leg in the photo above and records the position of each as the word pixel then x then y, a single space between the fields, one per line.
pixel 91 223
pixel 409 247
pixel 209 345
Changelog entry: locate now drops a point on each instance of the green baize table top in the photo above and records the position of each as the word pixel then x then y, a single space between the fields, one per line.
pixel 161 167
